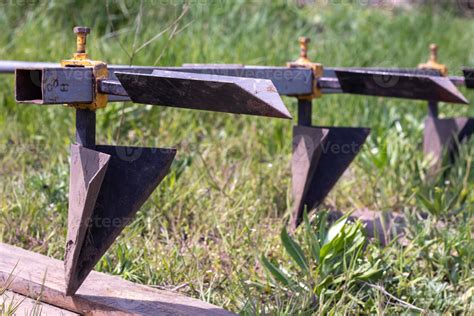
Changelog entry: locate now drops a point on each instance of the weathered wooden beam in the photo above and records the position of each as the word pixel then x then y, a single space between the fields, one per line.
pixel 36 276
pixel 22 305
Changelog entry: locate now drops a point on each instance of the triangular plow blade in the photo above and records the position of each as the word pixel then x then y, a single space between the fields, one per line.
pixel 469 77
pixel 406 86
pixel 131 176
pixel 307 147
pixel 205 92
pixel 408 71
pixel 336 148
pixel 87 172
pixel 442 136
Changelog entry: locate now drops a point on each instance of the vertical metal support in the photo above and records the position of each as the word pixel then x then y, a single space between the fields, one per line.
pixel 433 109
pixel 304 112
pixel 85 128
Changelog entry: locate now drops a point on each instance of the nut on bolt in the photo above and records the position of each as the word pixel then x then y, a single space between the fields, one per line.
pixel 81 33
pixel 304 41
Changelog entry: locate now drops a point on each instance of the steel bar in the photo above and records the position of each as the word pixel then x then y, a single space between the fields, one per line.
pixel 399 86
pixel 205 92
pixel 469 77
pixel 85 128
pixel 9 66
pixel 112 88
pixel 304 112
pixel 433 109
pixel 288 81
pixel 458 81
pixel 328 83
pixel 54 85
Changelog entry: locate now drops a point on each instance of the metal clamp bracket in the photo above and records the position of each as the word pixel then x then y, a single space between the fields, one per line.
pixel 304 62
pixel 432 63
pixel 99 70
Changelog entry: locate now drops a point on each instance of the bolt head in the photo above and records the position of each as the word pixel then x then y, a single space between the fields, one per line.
pixel 304 40
pixel 81 29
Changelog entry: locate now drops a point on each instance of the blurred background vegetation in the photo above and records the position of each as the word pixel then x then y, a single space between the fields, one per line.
pixel 213 228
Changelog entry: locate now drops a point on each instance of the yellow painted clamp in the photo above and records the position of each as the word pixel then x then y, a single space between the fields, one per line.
pixel 99 70
pixel 304 61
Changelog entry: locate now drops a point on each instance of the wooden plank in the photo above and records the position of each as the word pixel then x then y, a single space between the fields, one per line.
pixel 35 275
pixel 26 306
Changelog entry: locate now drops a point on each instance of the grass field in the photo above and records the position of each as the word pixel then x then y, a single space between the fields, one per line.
pixel 213 228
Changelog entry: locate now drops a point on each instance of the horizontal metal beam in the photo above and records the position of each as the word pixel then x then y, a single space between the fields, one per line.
pixel 287 81
pixel 469 77
pixel 458 81
pixel 9 66
pixel 54 85
pixel 189 90
pixel 112 88
pixel 60 85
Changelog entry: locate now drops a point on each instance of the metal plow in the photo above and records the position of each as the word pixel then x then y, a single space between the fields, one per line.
pixel 214 87
pixel 320 156
pixel 318 170
pixel 109 184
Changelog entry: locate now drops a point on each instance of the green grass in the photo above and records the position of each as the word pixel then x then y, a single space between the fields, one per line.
pixel 228 195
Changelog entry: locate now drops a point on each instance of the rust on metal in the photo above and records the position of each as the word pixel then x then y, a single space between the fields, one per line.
pixel 99 70
pixel 433 63
pixel 316 68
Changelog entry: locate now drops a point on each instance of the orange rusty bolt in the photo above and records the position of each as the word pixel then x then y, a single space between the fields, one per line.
pixel 304 46
pixel 81 33
pixel 434 52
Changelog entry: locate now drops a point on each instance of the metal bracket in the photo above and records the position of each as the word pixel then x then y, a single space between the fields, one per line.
pixel 304 62
pixel 99 70
pixel 432 63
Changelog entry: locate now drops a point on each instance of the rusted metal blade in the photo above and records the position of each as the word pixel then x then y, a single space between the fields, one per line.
pixel 469 77
pixel 87 172
pixel 441 136
pixel 131 176
pixel 399 86
pixel 329 151
pixel 205 92
pixel 406 71
pixel 307 148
